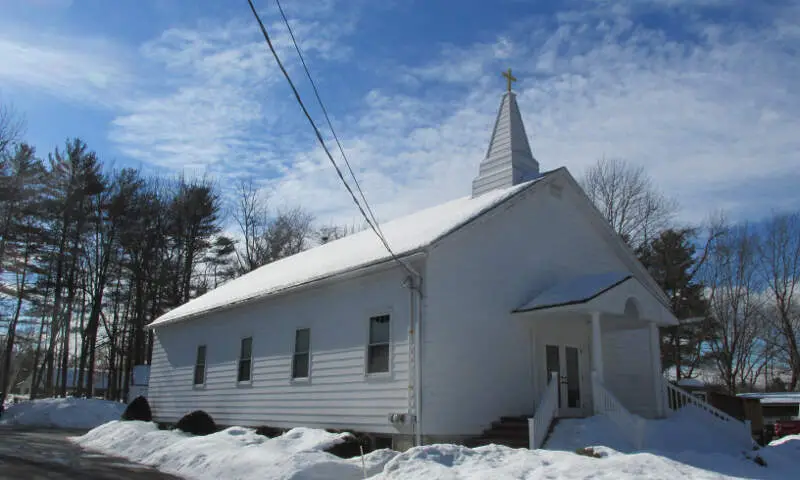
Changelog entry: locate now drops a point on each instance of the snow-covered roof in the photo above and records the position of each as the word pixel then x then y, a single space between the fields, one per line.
pixel 774 397
pixel 405 235
pixel 575 290
pixel 691 383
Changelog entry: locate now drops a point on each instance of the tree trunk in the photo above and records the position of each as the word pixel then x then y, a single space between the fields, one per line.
pixel 12 329
pixel 55 322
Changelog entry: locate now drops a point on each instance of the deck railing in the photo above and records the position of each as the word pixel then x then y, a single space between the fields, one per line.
pixel 678 398
pixel 545 413
pixel 631 425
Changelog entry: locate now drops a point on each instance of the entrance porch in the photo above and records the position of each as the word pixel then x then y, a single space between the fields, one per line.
pixel 595 338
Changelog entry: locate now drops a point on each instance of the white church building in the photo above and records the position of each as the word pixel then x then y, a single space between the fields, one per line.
pixel 516 301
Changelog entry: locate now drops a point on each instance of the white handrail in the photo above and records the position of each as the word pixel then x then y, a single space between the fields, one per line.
pixel 545 412
pixel 607 404
pixel 678 398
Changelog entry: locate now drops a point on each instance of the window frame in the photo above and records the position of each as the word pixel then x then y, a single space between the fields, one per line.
pixel 295 353
pixel 197 364
pixel 240 359
pixel 368 344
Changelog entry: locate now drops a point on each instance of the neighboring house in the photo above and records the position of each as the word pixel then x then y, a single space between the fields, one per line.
pixel 139 380
pixel 777 405
pixel 100 385
pixel 522 278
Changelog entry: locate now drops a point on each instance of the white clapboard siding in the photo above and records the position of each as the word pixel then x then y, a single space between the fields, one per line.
pixel 627 361
pixel 338 393
pixel 481 364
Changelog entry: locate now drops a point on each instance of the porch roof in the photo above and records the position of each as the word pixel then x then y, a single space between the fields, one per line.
pixel 575 290
pixel 615 293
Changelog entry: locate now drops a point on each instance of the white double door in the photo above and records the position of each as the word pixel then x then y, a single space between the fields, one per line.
pixel 565 361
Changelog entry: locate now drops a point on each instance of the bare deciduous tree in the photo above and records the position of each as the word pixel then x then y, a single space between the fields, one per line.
pixel 329 233
pixel 731 278
pixel 251 213
pixel 288 233
pixel 780 270
pixel 11 126
pixel 628 199
pixel 266 237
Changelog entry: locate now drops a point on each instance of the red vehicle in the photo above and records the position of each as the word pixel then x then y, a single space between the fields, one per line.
pixel 787 427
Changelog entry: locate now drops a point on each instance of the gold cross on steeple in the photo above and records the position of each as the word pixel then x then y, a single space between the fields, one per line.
pixel 510 78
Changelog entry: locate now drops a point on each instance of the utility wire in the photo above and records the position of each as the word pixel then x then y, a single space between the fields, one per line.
pixel 327 118
pixel 322 141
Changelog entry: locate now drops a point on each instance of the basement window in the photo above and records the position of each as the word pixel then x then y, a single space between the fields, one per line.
pixel 245 360
pixel 200 366
pixel 379 342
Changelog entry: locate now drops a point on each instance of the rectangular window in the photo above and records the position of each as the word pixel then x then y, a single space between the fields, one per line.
pixel 245 360
pixel 378 348
pixel 302 353
pixel 200 366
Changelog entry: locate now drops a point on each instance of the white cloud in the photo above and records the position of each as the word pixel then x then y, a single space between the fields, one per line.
pixel 713 117
pixel 710 111
pixel 85 70
pixel 221 105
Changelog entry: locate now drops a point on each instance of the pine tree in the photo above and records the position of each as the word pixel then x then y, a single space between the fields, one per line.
pixel 671 258
pixel 20 188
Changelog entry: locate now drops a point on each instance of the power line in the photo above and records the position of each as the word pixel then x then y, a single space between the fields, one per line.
pixel 322 141
pixel 327 118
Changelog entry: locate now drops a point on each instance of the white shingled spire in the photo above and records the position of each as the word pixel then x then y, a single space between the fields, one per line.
pixel 509 160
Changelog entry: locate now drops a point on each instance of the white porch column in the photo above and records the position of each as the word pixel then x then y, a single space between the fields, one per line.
pixel 658 384
pixel 534 369
pixel 597 346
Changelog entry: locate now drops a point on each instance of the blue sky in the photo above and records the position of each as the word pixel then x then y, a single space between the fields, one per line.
pixel 702 93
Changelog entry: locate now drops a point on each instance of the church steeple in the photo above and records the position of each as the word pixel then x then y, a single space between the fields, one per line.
pixel 508 160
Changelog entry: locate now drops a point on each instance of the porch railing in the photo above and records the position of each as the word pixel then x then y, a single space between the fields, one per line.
pixel 545 413
pixel 629 424
pixel 678 398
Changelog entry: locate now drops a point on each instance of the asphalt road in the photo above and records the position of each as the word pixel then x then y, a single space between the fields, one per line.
pixel 47 454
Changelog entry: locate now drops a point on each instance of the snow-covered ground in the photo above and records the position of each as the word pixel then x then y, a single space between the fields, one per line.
pixel 63 413
pixel 789 445
pixel 13 398
pixel 686 440
pixel 680 450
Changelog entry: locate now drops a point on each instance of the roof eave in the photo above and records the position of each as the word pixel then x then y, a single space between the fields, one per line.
pixel 351 272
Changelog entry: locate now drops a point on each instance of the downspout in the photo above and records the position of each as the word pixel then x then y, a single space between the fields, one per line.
pixel 418 363
pixel 415 314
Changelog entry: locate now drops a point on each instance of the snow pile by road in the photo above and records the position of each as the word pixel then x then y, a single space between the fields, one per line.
pixel 234 453
pixel 63 413
pixel 239 453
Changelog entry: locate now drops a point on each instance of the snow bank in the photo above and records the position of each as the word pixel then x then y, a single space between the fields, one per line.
pixel 238 453
pixel 684 438
pixel 571 434
pixel 63 413
pixel 234 453
pixel 503 463
pixel 788 445
pixel 13 399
